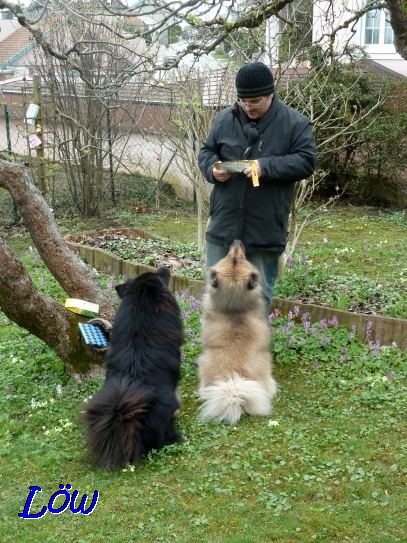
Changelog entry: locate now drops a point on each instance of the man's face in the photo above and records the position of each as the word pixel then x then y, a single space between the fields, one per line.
pixel 255 108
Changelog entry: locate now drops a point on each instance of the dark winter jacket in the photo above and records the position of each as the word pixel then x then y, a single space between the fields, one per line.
pixel 285 148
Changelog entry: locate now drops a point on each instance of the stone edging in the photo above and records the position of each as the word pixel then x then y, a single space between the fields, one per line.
pixel 385 330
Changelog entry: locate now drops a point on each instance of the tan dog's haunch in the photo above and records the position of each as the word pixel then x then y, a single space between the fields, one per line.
pixel 235 366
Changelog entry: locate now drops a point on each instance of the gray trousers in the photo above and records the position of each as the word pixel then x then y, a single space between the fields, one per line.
pixel 265 261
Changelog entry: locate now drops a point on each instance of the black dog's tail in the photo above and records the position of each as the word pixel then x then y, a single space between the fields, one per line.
pixel 115 417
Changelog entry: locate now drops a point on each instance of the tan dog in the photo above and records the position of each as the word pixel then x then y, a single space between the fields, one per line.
pixel 235 366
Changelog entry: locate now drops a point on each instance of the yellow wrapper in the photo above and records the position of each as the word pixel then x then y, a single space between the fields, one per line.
pixel 82 307
pixel 255 173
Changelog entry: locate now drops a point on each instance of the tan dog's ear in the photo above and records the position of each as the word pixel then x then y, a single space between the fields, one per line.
pixel 213 278
pixel 253 281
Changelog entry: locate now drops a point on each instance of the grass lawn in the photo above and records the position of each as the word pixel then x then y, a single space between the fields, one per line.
pixel 328 464
pixel 349 258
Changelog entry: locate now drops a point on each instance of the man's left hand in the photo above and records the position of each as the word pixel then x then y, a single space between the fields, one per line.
pixel 248 171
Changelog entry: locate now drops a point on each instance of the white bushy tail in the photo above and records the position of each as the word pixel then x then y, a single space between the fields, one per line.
pixel 226 401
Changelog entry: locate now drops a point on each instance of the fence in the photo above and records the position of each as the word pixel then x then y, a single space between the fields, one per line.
pixel 137 149
pixel 140 115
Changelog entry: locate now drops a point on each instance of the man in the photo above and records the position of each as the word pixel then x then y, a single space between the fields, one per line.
pixel 279 139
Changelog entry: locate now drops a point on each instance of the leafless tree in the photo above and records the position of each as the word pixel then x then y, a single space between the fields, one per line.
pixel 93 117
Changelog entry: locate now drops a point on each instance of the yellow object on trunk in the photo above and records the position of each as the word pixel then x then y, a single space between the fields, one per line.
pixel 82 307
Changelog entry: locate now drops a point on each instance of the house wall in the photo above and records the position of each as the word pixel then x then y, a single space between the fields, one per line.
pixel 150 117
pixel 8 27
pixel 330 15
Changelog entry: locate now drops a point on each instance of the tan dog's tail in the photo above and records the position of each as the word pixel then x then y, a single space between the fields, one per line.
pixel 226 401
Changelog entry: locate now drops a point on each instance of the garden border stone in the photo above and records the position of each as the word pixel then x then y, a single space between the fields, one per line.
pixel 374 328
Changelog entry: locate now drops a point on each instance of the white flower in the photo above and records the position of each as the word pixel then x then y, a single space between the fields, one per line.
pixel 273 423
pixel 129 468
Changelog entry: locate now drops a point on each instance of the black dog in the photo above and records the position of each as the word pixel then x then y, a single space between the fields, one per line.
pixel 134 412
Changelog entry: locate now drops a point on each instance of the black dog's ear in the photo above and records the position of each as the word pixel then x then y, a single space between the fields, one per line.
pixel 164 275
pixel 253 281
pixel 213 278
pixel 121 289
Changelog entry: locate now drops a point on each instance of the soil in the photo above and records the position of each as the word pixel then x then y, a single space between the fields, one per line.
pixel 156 252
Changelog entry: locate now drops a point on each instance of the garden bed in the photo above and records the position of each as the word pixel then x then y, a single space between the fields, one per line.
pixel 128 252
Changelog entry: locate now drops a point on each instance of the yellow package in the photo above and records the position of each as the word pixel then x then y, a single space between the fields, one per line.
pixel 82 307
pixel 255 173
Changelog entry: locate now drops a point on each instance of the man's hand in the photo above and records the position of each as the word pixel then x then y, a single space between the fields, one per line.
pixel 221 175
pixel 248 170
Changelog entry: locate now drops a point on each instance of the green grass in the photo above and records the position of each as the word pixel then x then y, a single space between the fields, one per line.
pixel 361 240
pixel 327 464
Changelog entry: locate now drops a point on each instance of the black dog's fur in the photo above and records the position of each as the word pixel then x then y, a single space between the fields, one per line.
pixel 134 412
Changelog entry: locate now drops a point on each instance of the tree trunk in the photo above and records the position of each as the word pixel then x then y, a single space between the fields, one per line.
pixel 398 17
pixel 19 298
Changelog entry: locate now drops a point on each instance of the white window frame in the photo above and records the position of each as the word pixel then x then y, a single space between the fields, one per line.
pixel 380 47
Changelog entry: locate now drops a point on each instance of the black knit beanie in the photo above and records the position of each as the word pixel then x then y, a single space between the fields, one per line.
pixel 254 80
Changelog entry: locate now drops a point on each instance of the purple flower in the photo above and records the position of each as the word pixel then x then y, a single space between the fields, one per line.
pixel 290 262
pixel 305 317
pixel 283 330
pixel 274 314
pixel 306 326
pixel 374 347
pixel 194 304
pixel 390 375
pixel 291 341
pixel 314 364
pixel 325 341
pixel 334 321
pixel 112 283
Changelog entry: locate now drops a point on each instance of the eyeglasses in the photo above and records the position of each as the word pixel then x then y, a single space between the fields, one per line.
pixel 252 102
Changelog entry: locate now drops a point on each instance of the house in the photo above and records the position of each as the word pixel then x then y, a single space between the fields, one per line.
pixel 15 44
pixel 372 32
pixel 333 24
